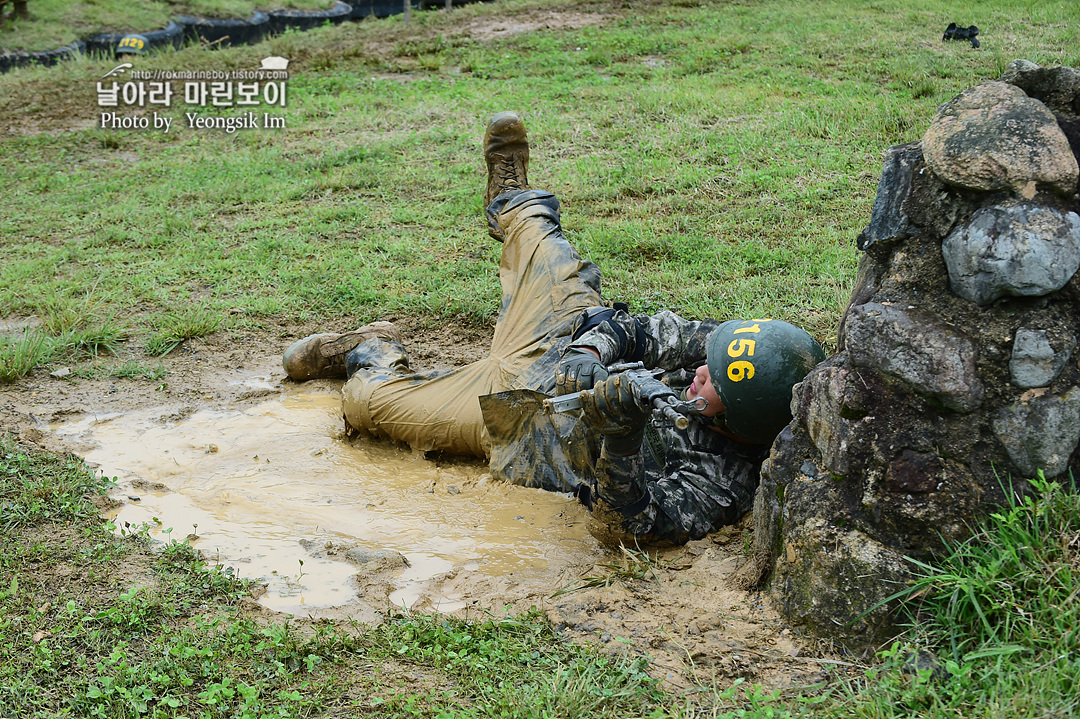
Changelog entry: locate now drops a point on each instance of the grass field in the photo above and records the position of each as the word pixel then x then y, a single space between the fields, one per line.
pixel 717 159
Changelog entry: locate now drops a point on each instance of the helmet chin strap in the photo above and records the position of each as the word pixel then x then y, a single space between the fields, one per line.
pixel 701 405
pixel 717 423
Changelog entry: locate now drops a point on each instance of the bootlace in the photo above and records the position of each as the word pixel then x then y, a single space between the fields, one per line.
pixel 510 174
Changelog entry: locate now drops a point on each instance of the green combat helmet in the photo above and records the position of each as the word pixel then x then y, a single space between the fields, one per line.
pixel 754 364
pixel 132 44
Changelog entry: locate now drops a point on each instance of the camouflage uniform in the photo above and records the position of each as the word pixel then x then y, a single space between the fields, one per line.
pixel 680 486
pixel 683 483
pixel 545 286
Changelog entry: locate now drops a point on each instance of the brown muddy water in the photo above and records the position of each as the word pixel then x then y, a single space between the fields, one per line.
pixel 278 493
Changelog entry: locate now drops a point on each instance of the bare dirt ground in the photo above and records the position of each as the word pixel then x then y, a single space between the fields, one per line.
pixel 675 608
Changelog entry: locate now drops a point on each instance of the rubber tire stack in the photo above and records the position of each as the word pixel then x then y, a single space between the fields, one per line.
pixel 380 8
pixel 282 20
pixel 44 57
pixel 226 33
pixel 105 43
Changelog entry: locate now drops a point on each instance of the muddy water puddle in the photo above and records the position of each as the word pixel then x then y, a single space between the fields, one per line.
pixel 277 492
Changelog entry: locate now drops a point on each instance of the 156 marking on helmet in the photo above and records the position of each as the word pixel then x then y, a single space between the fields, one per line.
pixel 753 365
pixel 743 369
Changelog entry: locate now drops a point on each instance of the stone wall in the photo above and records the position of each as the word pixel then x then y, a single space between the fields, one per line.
pixel 956 375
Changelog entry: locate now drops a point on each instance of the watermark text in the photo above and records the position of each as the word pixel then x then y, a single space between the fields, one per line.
pixel 202 90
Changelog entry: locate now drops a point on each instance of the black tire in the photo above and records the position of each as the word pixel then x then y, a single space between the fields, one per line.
pixel 381 8
pixel 172 35
pixel 282 20
pixel 358 9
pixel 48 58
pixel 226 33
pixel 438 4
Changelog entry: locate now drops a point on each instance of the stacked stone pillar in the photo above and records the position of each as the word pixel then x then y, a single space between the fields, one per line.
pixel 956 377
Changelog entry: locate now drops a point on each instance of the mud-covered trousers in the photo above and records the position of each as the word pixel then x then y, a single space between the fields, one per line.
pixel 545 287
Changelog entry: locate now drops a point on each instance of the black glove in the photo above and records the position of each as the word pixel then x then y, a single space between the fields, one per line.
pixel 620 406
pixel 578 369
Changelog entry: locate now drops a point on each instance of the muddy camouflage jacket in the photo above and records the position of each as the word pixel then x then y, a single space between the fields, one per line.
pixel 683 483
pixel 680 486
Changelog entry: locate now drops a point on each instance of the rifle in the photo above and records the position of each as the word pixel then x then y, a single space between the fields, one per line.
pixel 668 406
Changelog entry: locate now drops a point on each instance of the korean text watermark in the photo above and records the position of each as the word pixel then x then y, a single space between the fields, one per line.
pixel 265 88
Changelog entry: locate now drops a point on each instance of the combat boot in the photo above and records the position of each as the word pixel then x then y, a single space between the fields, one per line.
pixel 506 150
pixel 323 356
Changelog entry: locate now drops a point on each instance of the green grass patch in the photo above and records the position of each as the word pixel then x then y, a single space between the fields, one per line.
pixel 995 633
pixel 78 327
pixel 70 329
pixel 92 340
pixel 133 369
pixel 1003 616
pixel 174 329
pixel 510 667
pixel 19 355
pixel 37 487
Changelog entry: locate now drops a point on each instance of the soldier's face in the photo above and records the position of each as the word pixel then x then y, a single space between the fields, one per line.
pixel 703 387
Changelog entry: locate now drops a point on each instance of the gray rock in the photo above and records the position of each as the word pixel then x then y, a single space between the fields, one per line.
pixel 383 558
pixel 1041 433
pixel 933 204
pixel 834 581
pixel 831 416
pixel 935 360
pixel 867 284
pixel 914 473
pixel 1023 250
pixel 1035 362
pixel 994 137
pixel 1056 87
pixel 888 220
pixel 909 197
pixel 897 442
pixel 371 559
pixel 918 498
pixel 776 473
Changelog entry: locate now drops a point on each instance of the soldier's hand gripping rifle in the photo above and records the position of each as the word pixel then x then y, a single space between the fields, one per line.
pixel 665 405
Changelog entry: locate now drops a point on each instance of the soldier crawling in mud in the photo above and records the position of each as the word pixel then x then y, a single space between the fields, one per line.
pixel 642 478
